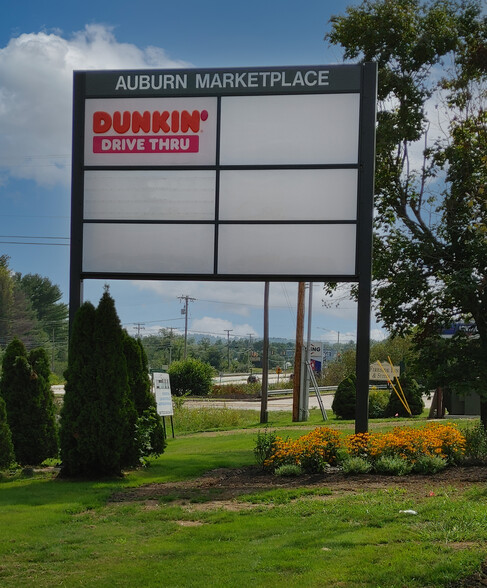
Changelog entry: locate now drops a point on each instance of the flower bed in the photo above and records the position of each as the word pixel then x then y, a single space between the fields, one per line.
pixel 424 449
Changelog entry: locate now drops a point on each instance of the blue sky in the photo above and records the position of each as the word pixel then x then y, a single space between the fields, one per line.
pixel 40 45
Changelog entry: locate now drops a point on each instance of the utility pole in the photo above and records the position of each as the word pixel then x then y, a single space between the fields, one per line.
pixel 228 331
pixel 139 327
pixel 250 353
pixel 184 311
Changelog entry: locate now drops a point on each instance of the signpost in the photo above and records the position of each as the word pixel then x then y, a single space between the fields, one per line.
pixel 210 174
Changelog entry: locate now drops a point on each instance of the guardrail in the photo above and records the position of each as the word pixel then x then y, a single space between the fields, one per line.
pixel 320 388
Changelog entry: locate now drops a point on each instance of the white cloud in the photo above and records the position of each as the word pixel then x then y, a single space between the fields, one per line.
pixel 36 95
pixel 218 326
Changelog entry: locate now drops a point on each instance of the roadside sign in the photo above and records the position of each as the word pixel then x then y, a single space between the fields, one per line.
pixel 162 391
pixel 376 374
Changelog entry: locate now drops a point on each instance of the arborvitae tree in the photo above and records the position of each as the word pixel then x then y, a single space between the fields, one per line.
pixel 149 423
pixel 79 421
pixel 29 413
pixel 116 410
pixel 138 376
pixel 414 396
pixel 7 456
pixel 48 441
pixel 344 400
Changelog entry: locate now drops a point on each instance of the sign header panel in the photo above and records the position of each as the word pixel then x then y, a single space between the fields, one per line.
pixel 222 82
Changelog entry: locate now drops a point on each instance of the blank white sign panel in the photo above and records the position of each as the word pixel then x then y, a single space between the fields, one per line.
pixel 293 129
pixel 149 195
pixel 287 194
pixel 294 249
pixel 136 248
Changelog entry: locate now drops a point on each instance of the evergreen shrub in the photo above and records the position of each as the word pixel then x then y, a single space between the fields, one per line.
pixel 7 456
pixel 29 403
pixel 343 404
pixel 414 396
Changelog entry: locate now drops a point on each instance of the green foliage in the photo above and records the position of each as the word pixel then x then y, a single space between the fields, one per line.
pixel 429 464
pixel 150 432
pixel 414 396
pixel 430 255
pixel 29 403
pixel 7 456
pixel 392 465
pixel 378 400
pixel 476 444
pixel 289 471
pixel 356 465
pixel 98 426
pixel 343 404
pixel 190 375
pixel 193 420
pixel 264 446
pixel 78 418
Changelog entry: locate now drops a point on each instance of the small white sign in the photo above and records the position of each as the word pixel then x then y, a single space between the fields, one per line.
pixel 162 390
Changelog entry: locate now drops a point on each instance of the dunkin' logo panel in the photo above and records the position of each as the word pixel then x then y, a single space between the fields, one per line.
pixel 150 131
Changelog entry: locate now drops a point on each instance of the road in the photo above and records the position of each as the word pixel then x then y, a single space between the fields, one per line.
pixel 273 403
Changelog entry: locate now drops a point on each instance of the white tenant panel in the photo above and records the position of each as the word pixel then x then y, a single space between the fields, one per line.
pixel 293 129
pixel 150 131
pixel 143 248
pixel 288 194
pixel 149 195
pixel 287 249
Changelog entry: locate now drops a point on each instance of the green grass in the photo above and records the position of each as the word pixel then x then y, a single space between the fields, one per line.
pixel 64 533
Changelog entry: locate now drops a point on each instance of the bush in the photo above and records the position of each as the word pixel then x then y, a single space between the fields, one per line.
pixel 343 404
pixel 475 444
pixel 392 465
pixel 429 464
pixel 190 376
pixel 7 456
pixel 378 400
pixel 236 391
pixel 312 452
pixel 414 396
pixel 264 446
pixel 289 471
pixel 29 403
pixel 356 465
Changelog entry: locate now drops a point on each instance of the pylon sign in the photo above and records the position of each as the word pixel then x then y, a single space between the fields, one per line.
pixel 227 174
pixel 224 174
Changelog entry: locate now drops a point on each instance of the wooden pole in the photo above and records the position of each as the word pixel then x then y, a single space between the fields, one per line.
pixel 299 351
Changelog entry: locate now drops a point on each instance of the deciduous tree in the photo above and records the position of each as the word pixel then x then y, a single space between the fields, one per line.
pixel 430 258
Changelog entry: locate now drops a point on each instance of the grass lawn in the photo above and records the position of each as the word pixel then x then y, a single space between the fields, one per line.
pixel 64 533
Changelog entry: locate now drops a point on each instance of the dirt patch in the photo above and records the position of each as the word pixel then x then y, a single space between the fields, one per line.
pixel 226 484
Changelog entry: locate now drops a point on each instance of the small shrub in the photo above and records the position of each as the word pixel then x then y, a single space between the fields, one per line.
pixel 264 446
pixel 475 444
pixel 392 465
pixel 414 396
pixel 312 452
pixel 429 464
pixel 356 465
pixel 289 471
pixel 236 391
pixel 343 404
pixel 378 400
